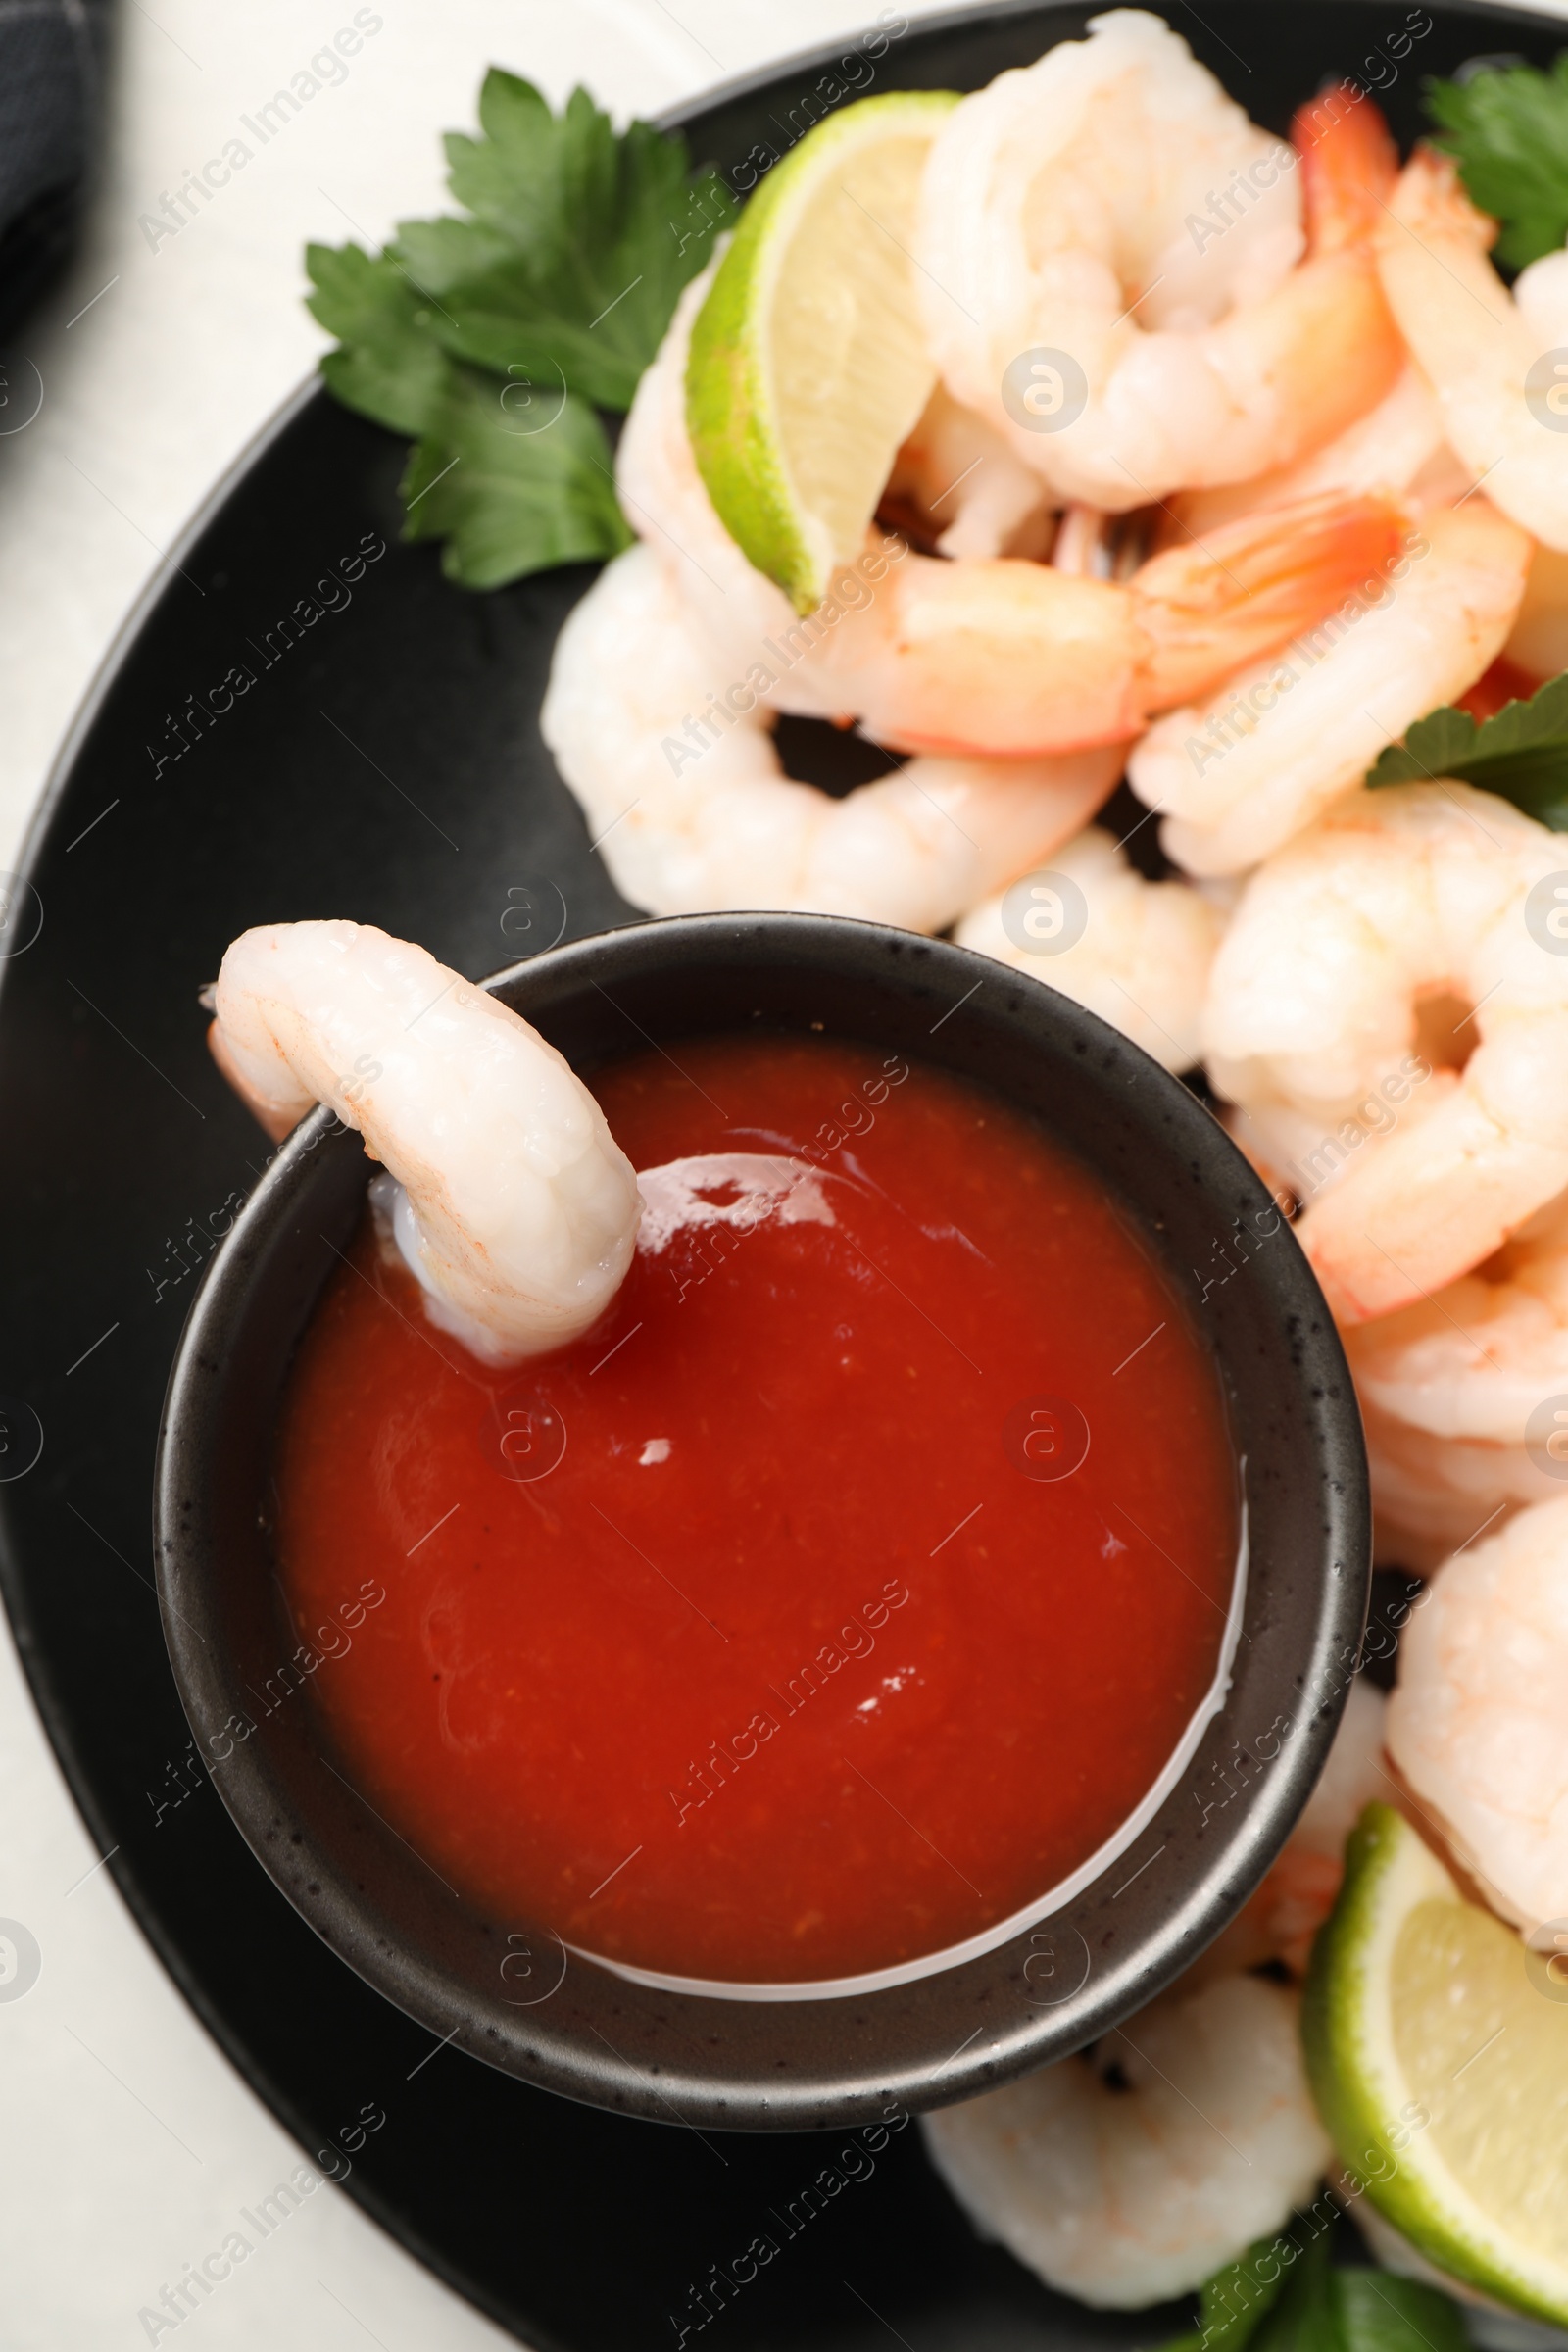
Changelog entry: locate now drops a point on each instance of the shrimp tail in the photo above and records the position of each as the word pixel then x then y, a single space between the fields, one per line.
pixel 1250 587
pixel 1349 166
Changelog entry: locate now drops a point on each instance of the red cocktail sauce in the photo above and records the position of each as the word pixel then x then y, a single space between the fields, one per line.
pixel 752 1638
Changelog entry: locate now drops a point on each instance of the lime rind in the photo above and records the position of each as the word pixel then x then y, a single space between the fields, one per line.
pixel 1364 2094
pixel 737 433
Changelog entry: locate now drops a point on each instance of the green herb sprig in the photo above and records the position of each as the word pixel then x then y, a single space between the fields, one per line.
pixel 1508 130
pixel 1283 2297
pixel 1521 754
pixel 494 337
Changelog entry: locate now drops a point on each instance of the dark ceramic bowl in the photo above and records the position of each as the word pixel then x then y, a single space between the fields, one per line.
pixel 513 1996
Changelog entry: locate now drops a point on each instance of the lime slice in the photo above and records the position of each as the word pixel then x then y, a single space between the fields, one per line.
pixel 1439 2060
pixel 808 362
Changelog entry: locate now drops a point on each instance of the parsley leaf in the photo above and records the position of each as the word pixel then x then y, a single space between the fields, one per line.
pixel 1378 2311
pixel 1303 2319
pixel 1284 2296
pixel 603 231
pixel 1233 2303
pixel 1521 754
pixel 512 489
pixel 384 366
pixel 492 336
pixel 1507 129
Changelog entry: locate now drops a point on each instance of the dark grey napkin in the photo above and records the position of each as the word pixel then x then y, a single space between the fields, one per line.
pixel 51 70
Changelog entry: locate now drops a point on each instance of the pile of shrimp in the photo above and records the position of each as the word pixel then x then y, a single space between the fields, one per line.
pixel 1296 499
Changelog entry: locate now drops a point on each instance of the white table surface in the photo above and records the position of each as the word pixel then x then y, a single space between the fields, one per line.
pixel 129 2144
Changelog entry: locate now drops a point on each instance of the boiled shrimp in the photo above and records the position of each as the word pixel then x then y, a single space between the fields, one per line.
pixel 1069 211
pixel 1142 958
pixel 683 789
pixel 1012 658
pixel 989 657
pixel 1398 446
pixel 519 1210
pixel 1136 2169
pixel 1477 1724
pixel 954 483
pixel 1433 1496
pixel 1449 1385
pixel 957 485
pixel 1411 894
pixel 1480 346
pixel 1242 772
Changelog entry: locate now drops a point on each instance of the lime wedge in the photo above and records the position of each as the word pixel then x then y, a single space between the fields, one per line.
pixel 1438 2059
pixel 808 362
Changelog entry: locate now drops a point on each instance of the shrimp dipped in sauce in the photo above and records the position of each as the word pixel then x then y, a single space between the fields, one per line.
pixel 517 1209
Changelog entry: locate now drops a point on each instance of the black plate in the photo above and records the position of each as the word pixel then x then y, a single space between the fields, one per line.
pixel 387 765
